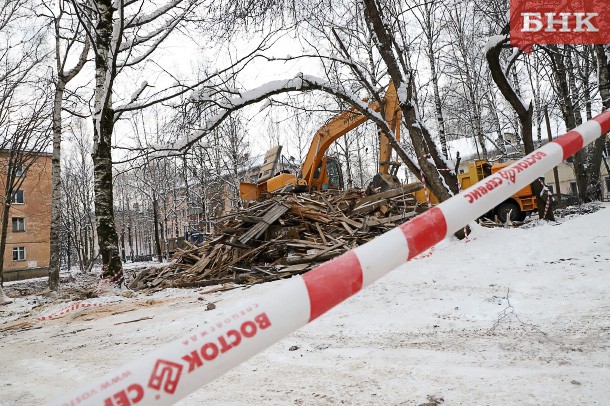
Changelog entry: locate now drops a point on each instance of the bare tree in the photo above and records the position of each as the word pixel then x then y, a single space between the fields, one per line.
pixel 567 85
pixel 122 36
pixel 466 67
pixel 25 136
pixel 78 216
pixel 431 28
pixel 69 35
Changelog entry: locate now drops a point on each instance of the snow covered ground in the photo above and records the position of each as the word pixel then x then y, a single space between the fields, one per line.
pixel 510 316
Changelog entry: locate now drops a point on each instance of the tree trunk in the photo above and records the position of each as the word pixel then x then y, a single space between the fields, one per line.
pixel 69 249
pixel 156 221
pixel 496 120
pixel 9 189
pixel 123 256
pixel 437 101
pixel 580 157
pixel 3 235
pixel 360 165
pixel 588 54
pixel 477 114
pixel 78 240
pixel 348 164
pixel 54 237
pixel 63 78
pixel 164 234
pixel 103 123
pixel 108 239
pixel 603 73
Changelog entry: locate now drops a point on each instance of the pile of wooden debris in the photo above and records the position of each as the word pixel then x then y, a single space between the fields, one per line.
pixel 283 236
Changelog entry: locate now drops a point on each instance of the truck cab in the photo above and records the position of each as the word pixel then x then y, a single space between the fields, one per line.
pixel 514 208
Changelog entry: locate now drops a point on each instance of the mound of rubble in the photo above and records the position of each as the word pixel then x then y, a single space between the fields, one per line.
pixel 282 236
pixel 578 210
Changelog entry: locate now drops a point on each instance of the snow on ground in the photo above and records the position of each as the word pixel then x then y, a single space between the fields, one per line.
pixel 439 328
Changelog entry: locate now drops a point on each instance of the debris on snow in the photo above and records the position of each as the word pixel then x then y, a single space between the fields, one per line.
pixel 284 236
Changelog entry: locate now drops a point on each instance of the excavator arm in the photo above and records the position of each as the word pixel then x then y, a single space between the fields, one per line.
pixel 343 123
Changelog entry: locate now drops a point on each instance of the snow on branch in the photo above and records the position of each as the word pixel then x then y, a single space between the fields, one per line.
pixel 140 20
pixel 511 61
pixel 178 89
pixel 495 40
pixel 300 83
pixel 158 34
pixel 161 34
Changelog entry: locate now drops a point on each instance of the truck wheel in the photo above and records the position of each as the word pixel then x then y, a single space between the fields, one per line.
pixel 507 209
pixel 522 215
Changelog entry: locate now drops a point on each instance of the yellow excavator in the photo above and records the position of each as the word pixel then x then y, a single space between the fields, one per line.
pixel 321 172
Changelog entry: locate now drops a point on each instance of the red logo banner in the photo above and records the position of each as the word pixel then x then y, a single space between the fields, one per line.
pixel 559 22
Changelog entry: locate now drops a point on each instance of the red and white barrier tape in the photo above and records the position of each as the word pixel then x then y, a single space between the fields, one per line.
pixel 549 196
pixel 173 371
pixel 64 310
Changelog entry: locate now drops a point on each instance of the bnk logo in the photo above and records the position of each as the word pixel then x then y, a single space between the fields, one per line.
pixel 559 22
pixel 166 376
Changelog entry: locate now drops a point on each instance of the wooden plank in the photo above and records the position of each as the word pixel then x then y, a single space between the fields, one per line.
pixel 133 321
pixel 351 222
pixel 349 230
pixel 306 245
pixel 294 268
pixel 391 219
pixel 315 202
pixel 322 236
pixel 309 259
pixel 218 289
pixel 273 214
pixel 369 207
pixel 406 189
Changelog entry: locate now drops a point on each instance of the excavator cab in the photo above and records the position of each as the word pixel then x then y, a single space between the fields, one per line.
pixel 328 175
pixel 335 174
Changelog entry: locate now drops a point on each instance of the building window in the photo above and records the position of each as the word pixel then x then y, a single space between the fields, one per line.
pixel 607 184
pixel 19 170
pixel 573 189
pixel 18 197
pixel 18 253
pixel 18 224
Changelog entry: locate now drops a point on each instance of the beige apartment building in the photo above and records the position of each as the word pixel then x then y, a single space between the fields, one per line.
pixel 27 249
pixel 567 180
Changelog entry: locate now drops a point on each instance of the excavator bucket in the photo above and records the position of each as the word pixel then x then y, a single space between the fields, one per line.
pixel 382 182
